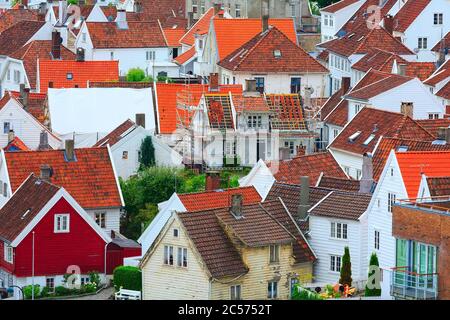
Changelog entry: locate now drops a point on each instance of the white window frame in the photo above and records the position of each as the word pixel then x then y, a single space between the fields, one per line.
pixel 59 229
pixel 150 55
pixel 237 10
pixel 100 219
pixel 391 200
pixel 376 239
pixel 8 254
pixel 236 292
pixel 168 251
pixel 182 257
pixel 338 230
pixel 422 43
pixel 51 288
pixel 438 19
pixel 335 263
pixel 433 115
pixel 274 253
pixel 272 290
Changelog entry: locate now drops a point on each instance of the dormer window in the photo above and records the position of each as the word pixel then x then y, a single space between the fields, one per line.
pixel 69 76
pixel 353 137
pixel 369 139
pixel 277 53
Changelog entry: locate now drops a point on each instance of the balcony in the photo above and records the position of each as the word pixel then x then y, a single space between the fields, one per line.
pixel 413 286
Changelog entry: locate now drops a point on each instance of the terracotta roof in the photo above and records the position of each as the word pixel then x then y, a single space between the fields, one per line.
pixel 185 56
pixel 200 27
pixel 439 186
pixel 58 71
pixel 385 146
pixel 24 205
pixel 220 114
pixel 421 70
pixel 290 171
pixel 217 199
pixel 444 92
pixel 335 183
pixel 323 55
pixel 439 75
pixel 332 103
pixel 342 205
pixel 244 103
pixel 90 179
pixel 414 164
pixel 16 36
pixel 116 135
pixel 173 36
pixel 120 84
pixel 444 43
pixel 36 103
pixel 432 125
pixel 167 95
pixel 16 145
pixel 287 110
pixel 339 115
pixel 259 55
pixel 373 123
pixel 38 50
pixel 142 34
pixel 290 194
pixel 335 7
pixel 408 13
pixel 11 17
pixel 233 33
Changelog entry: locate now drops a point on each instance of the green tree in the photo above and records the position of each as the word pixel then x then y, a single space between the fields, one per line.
pixel 346 269
pixel 147 153
pixel 73 2
pixel 373 280
pixel 138 75
pixel 324 3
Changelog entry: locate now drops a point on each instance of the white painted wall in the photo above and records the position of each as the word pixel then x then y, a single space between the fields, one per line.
pixel 348 160
pixel 260 177
pixel 112 215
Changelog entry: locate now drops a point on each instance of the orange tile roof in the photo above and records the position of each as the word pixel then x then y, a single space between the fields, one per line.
pixel 16 145
pixel 90 179
pixel 408 13
pixel 250 103
pixel 166 99
pixel 439 75
pixel 200 27
pixel 173 36
pixel 185 56
pixel 414 164
pixel 444 92
pixel 218 198
pixel 36 105
pixel 57 71
pixel 257 55
pixel 233 33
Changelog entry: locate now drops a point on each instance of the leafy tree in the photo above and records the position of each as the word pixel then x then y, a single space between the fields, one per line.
pixel 372 292
pixel 73 2
pixel 147 155
pixel 346 269
pixel 138 75
pixel 127 277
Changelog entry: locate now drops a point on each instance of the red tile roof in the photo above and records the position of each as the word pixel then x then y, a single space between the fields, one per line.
pixel 38 50
pixel 258 55
pixel 90 179
pixel 11 17
pixel 444 43
pixel 57 71
pixel 439 75
pixel 142 34
pixel 414 164
pixel 332 103
pixel 244 103
pixel 339 115
pixel 439 186
pixel 24 205
pixel 432 125
pixel 219 110
pixel 374 123
pixel 185 56
pixel 16 145
pixel 167 95
pixel 218 199
pixel 335 7
pixel 233 33
pixel 385 146
pixel 333 183
pixel 114 136
pixel 287 110
pixel 16 36
pixel 36 105
pixel 444 92
pixel 408 13
pixel 200 27
pixel 313 165
pixel 173 36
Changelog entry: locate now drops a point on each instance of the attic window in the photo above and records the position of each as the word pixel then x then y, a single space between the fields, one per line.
pixel 369 139
pixel 402 148
pixel 354 136
pixel 277 53
pixel 69 76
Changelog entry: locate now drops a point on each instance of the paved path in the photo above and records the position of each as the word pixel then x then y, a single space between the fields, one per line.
pixel 103 295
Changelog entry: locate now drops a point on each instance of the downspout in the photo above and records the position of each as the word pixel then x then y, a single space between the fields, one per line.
pixel 106 246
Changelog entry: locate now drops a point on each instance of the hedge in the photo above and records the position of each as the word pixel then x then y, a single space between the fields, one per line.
pixel 128 277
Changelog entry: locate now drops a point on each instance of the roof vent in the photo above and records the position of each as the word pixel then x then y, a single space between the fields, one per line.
pixel 46 172
pixel 353 137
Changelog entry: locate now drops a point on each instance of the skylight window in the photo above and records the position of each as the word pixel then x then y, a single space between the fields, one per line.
pixel 354 136
pixel 402 148
pixel 69 76
pixel 26 213
pixel 369 139
pixel 277 53
pixel 350 35
pixel 360 38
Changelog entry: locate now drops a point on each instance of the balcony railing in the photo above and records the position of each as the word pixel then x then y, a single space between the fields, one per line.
pixel 411 285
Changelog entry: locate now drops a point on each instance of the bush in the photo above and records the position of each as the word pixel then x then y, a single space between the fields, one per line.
pixel 346 269
pixel 27 291
pixel 304 294
pixel 94 277
pixel 45 292
pixel 89 288
pixel 128 277
pixel 62 291
pixel 147 154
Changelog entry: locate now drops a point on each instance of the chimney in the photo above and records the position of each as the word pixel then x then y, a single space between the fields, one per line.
pixel 42 11
pixel 70 150
pixel 24 93
pixel 121 19
pixel 250 88
pixel 304 206
pixel 444 134
pixel 345 84
pixel 80 54
pixel 43 141
pixel 307 100
pixel 213 82
pixel 265 22
pixel 46 172
pixel 284 153
pixel 217 7
pixel 56 45
pixel 212 181
pixel 25 3
pixel 407 109
pixel 236 205
pixel 62 12
pixel 366 182
pixel 265 15
pixel 140 119
pixel 11 136
pixel 137 7
pixel 190 19
pixel 389 23
pixel 50 84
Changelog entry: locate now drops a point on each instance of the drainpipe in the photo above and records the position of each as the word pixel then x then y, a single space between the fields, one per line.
pixel 106 246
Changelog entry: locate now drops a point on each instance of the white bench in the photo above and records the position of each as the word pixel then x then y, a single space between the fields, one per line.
pixel 125 294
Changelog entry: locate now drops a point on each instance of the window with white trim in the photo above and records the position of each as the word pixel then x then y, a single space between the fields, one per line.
pixel 175 233
pixel 254 121
pixel 237 10
pixel 422 43
pixel 358 174
pixel 335 263
pixel 338 230
pixel 50 284
pixel 16 76
pixel 62 223
pixel 274 253
pixel 168 255
pixel 391 201
pixel 8 255
pixel 150 55
pixel 438 19
pixel 335 133
pixel 272 290
pixel 377 240
pixel 100 219
pixel 235 292
pixel 182 258
pixel 290 145
pixel 433 115
pixel 194 6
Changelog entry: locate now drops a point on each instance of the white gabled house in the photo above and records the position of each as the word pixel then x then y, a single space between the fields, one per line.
pixel 260 177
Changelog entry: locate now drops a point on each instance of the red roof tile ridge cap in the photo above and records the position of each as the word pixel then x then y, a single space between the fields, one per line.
pixel 409 153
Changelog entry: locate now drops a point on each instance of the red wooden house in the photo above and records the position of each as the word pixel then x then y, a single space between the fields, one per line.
pixel 45 233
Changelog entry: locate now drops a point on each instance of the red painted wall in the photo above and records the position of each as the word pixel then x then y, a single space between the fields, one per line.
pixel 54 252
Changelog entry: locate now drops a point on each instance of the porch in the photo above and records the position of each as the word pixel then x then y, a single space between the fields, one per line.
pixel 410 285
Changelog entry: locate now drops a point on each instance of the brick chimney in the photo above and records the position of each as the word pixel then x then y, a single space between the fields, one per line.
pixel 304 206
pixel 236 205
pixel 69 150
pixel 140 119
pixel 24 94
pixel 46 172
pixel 366 182
pixel 80 54
pixel 265 15
pixel 213 82
pixel 345 85
pixel 212 181
pixel 56 45
pixel 407 109
pixel 389 23
pixel 217 7
pixel 43 141
pixel 11 135
pixel 444 134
